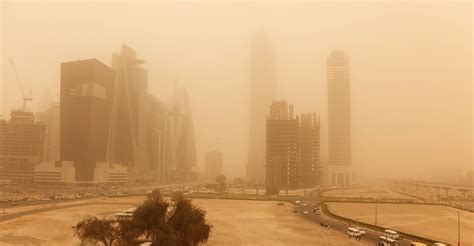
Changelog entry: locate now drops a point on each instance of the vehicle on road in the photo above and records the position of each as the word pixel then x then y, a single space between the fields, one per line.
pixel 353 232
pixel 323 224
pixel 440 244
pixel 305 212
pixel 297 203
pixel 317 212
pixel 417 244
pixel 362 231
pixel 384 241
pixel 295 210
pixel 304 204
pixel 392 234
pixel 280 203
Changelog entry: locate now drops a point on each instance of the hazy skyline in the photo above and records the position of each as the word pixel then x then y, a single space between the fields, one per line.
pixel 411 68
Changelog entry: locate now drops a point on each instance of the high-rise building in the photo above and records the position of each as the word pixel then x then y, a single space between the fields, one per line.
pixel 50 117
pixel 214 162
pixel 292 149
pixel 182 145
pixel 261 93
pixel 86 100
pixel 309 149
pixel 21 146
pixel 127 143
pixel 339 119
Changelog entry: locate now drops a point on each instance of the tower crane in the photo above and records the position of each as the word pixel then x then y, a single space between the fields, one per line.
pixel 26 97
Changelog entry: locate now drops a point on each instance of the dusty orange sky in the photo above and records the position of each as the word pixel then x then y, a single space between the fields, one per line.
pixel 411 68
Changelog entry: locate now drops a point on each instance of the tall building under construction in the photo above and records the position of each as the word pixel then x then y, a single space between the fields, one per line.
pixel 21 146
pixel 292 149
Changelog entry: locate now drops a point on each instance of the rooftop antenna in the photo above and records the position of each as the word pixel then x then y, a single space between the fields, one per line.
pixel 26 97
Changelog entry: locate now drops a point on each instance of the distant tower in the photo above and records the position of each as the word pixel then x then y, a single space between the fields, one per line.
pixel 339 117
pixel 261 93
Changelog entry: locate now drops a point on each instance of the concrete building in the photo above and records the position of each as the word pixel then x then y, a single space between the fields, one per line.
pixel 21 146
pixel 55 172
pixel 292 149
pixel 86 100
pixel 214 161
pixel 261 92
pixel 339 119
pixel 106 172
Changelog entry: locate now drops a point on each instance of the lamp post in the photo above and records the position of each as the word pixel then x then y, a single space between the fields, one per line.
pixel 459 231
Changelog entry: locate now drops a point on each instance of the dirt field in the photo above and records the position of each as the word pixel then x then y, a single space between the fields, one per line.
pixel 434 222
pixel 366 193
pixel 235 223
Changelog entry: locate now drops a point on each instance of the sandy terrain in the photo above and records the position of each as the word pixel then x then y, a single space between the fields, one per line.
pixel 235 223
pixel 434 222
pixel 366 193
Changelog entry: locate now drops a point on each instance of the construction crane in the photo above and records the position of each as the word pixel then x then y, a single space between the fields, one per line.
pixel 26 97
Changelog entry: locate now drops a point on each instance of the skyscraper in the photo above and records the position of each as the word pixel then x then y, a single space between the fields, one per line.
pixel 292 149
pixel 180 127
pixel 21 146
pixel 86 99
pixel 128 142
pixel 261 93
pixel 339 117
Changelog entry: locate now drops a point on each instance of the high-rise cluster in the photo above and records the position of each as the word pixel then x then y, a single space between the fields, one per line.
pixel 292 149
pixel 109 118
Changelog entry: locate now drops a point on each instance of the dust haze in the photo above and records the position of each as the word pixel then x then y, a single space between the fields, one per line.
pixel 410 69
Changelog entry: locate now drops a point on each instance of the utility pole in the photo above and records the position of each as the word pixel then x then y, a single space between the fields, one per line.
pixel 459 231
pixel 376 212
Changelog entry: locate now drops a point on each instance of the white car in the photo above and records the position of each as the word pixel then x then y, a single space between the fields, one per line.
pixel 362 231
pixel 305 212
pixel 392 234
pixel 353 232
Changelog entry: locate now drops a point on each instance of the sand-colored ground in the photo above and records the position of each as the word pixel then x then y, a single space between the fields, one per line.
pixel 434 222
pixel 382 193
pixel 235 223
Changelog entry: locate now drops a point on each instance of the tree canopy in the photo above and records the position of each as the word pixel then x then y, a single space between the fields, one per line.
pixel 176 223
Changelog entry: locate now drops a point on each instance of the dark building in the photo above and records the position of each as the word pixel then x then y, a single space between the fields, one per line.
pixel 21 146
pixel 292 149
pixel 86 100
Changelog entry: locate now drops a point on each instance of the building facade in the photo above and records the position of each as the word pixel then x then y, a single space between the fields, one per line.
pixel 339 119
pixel 292 149
pixel 21 146
pixel 261 92
pixel 55 172
pixel 86 100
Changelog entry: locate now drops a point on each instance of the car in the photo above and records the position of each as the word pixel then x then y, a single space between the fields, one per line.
pixel 295 210
pixel 305 212
pixel 362 231
pixel 317 212
pixel 280 203
pixel 353 232
pixel 304 204
pixel 323 224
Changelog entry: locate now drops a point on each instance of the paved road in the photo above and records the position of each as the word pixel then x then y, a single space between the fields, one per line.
pixel 370 238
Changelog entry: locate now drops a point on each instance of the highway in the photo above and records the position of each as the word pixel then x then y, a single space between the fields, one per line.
pixel 371 237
